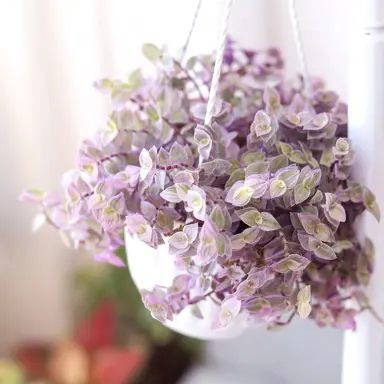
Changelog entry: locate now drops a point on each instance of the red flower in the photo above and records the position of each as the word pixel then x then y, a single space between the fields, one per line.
pixel 116 366
pixel 33 360
pixel 97 331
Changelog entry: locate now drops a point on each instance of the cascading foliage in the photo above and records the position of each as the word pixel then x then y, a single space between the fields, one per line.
pixel 263 226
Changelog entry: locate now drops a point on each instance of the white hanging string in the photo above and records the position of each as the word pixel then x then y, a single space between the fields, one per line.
pixel 193 25
pixel 218 63
pixel 299 46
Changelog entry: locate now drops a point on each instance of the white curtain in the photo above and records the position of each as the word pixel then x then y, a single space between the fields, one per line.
pixel 50 53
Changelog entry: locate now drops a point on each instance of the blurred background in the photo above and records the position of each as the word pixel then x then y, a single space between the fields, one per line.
pixel 50 53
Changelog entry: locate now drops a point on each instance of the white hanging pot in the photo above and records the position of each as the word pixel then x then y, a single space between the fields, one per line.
pixel 150 267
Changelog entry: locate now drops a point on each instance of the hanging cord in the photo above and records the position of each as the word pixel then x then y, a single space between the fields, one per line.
pixel 299 46
pixel 193 25
pixel 218 63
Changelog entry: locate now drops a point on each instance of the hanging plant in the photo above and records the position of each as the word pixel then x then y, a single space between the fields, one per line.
pixel 254 212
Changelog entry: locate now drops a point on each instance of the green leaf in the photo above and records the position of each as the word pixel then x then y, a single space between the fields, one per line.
pixel 163 158
pixel 191 63
pixel 297 157
pixel 178 154
pixel 257 167
pixel 330 200
pixel 152 53
pixel 308 156
pixel 312 178
pixel 278 162
pixel 277 188
pixel 342 245
pixel 286 148
pixel 235 164
pixel 170 194
pixel 355 194
pixel 295 220
pixel 309 222
pixel 135 80
pixel 196 312
pixel 323 233
pixel 323 251
pixel 251 217
pixel 310 209
pixel 317 197
pixel 261 124
pixel 303 302
pixel 105 85
pixel 282 266
pixel 369 250
pixel 237 175
pixel 152 113
pixel 327 157
pixel 242 196
pixel 111 126
pixel 217 167
pixel 342 146
pixel 305 241
pixel 290 177
pixel 238 242
pixel 370 203
pixel 217 217
pixel 258 304
pixel 252 157
pixel 269 223
pixel 294 263
pixel 304 295
pixel 337 212
pixel 304 171
pixel 179 240
pixel 301 193
pixel 304 310
pixel 363 273
pixel 297 262
pixel 224 245
pixel 252 235
pixel 182 190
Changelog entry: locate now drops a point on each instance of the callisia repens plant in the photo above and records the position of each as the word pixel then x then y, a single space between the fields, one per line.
pixel 258 209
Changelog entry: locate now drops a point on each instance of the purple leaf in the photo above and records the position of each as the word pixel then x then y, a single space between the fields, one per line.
pixel 127 178
pixel 309 222
pixel 229 310
pixel 204 142
pixel 109 256
pixel 301 193
pixel 322 251
pixel 317 123
pixel 269 223
pixel 305 241
pixel 179 240
pixel 294 263
pixel 191 231
pixel 177 154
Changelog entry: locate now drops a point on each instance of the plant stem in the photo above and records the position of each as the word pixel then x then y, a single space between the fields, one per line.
pixel 290 318
pixel 111 156
pixel 193 81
